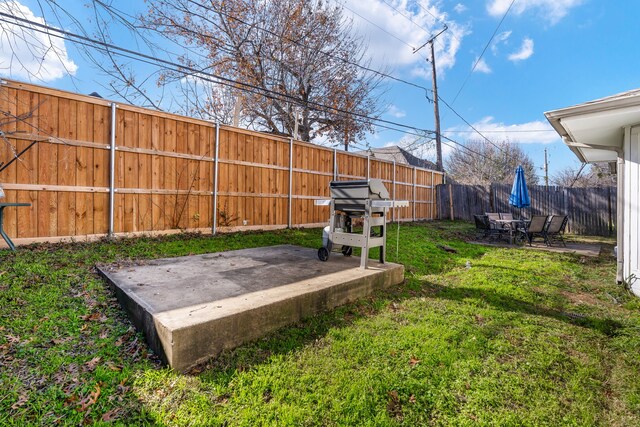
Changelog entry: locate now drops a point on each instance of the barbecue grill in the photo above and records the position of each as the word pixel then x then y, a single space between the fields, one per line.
pixel 365 199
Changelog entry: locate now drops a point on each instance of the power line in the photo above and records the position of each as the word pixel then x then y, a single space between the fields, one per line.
pixel 378 26
pixel 469 124
pixel 405 16
pixel 413 22
pixel 380 73
pixel 483 51
pixel 429 12
pixel 225 81
pixel 366 68
pixel 501 131
pixel 453 34
pixel 465 147
pixel 214 78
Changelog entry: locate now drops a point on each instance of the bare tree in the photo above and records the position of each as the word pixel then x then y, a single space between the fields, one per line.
pixel 296 64
pixel 482 163
pixel 592 175
pixel 281 66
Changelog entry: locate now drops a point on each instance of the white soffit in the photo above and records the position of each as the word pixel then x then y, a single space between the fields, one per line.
pixel 589 128
pixel 601 128
pixel 591 155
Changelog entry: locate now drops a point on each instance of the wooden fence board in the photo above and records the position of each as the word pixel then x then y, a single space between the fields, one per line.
pixel 591 210
pixel 164 171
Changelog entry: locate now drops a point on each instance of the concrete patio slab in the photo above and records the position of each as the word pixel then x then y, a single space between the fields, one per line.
pixel 191 308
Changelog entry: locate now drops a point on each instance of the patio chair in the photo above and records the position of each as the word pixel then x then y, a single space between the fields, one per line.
pixel 492 216
pixel 536 227
pixel 555 229
pixel 507 216
pixel 483 226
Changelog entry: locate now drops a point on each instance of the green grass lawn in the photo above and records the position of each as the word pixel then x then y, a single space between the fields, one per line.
pixel 520 338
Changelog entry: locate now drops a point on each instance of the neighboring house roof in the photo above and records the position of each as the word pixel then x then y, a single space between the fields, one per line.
pixel 594 131
pixel 399 155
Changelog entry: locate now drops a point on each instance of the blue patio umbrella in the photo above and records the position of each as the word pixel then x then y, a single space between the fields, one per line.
pixel 519 194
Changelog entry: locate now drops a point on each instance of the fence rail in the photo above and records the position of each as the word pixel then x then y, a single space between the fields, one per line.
pixel 591 211
pixel 99 168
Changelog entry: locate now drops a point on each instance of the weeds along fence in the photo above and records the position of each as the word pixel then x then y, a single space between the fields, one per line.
pixel 96 168
pixel 591 211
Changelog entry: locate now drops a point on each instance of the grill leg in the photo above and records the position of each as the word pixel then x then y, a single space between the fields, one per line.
pixel 332 225
pixel 383 228
pixel 366 229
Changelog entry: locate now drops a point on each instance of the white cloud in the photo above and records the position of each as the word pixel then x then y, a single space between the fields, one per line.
pixel 391 34
pixel 526 50
pixel 551 10
pixel 501 38
pixel 396 112
pixel 460 8
pixel 535 132
pixel 481 66
pixel 28 54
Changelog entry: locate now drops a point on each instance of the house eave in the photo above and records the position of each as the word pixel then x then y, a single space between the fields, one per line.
pixel 594 131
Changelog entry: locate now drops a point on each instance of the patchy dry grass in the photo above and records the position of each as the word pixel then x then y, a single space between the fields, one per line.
pixel 519 338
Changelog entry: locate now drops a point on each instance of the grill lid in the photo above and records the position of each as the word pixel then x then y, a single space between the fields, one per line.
pixel 373 189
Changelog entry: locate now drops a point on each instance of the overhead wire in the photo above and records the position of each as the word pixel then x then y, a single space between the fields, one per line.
pixel 439 97
pixel 405 16
pixel 385 75
pixel 214 78
pixel 154 61
pixel 329 55
pixel 135 55
pixel 500 131
pixel 483 51
pixel 437 18
pixel 412 21
pixel 379 27
pixel 469 124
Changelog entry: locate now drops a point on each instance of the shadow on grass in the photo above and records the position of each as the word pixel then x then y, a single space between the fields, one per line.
pixel 504 302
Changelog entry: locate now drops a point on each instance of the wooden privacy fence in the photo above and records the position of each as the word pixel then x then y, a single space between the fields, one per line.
pixel 591 211
pixel 99 168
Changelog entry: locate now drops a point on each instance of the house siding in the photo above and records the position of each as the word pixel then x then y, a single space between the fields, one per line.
pixel 631 224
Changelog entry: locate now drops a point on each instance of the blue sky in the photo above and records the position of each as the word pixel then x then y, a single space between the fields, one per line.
pixel 546 54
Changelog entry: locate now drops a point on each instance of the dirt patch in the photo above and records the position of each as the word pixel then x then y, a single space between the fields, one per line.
pixel 581 298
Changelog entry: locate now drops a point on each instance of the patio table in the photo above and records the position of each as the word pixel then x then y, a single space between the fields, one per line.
pixel 514 225
pixel 2 232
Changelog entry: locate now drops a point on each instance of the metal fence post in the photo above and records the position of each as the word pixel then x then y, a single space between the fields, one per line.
pixel 415 177
pixel 112 169
pixel 393 210
pixel 335 164
pixel 433 198
pixel 289 207
pixel 368 167
pixel 216 165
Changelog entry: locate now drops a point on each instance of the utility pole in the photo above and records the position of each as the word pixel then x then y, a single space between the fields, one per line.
pixel 436 110
pixel 546 170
